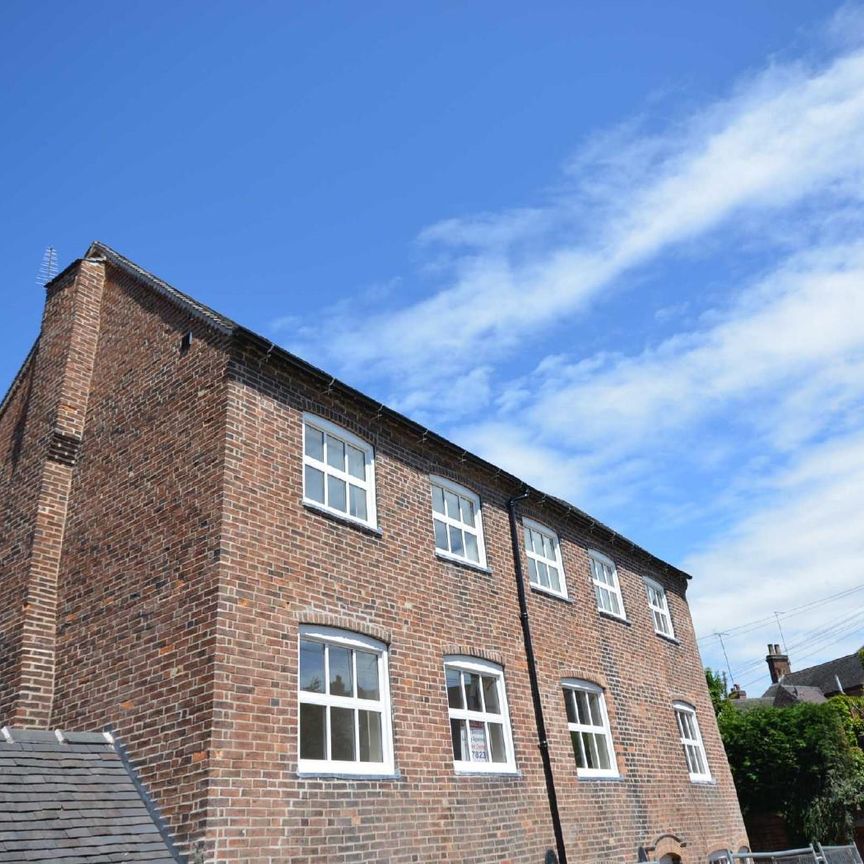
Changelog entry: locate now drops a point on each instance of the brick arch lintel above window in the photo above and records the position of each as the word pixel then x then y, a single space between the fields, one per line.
pixel 454 650
pixel 690 699
pixel 570 673
pixel 358 425
pixel 342 622
pixel 667 844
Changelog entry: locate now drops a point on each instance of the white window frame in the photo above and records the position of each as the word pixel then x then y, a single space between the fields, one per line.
pixel 614 590
pixel 574 685
pixel 659 609
pixel 454 488
pixel 368 484
pixel 464 663
pixel 347 639
pixel 692 745
pixel 556 561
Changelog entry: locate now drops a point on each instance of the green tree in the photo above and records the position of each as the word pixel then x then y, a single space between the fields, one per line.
pixel 718 688
pixel 804 762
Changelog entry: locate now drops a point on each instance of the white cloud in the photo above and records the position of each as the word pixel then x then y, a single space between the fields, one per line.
pixel 795 342
pixel 744 424
pixel 785 136
pixel 806 543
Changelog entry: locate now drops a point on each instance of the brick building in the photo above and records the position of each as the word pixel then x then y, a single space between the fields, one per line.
pixel 301 613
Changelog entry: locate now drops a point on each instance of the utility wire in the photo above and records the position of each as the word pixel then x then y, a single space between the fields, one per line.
pixel 747 626
pixel 840 636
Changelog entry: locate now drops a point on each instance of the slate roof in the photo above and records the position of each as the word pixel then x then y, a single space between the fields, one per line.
pixel 848 669
pixel 780 696
pixel 785 693
pixel 73 798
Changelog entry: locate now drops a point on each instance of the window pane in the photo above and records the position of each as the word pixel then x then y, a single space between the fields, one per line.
pixel 438 499
pixel 613 602
pixel 582 708
pixel 490 695
pixel 335 453
pixel 358 501
pixel 452 505
pixel 472 691
pixel 590 750
pixel 688 754
pixel 456 546
pixel 441 536
pixel 576 741
pixel 367 675
pixel 370 736
pixel 570 704
pixel 496 740
pixel 479 745
pixel 311 666
pixel 341 679
pixel 467 511
pixel 459 737
pixel 594 707
pixel 342 734
pixel 554 580
pixel 314 443
pixel 543 574
pixel 548 550
pixel 314 485
pixel 336 493
pixel 454 688
pixel 700 761
pixel 532 571
pixel 471 550
pixel 312 720
pixel 602 752
pixel 600 594
pixel 356 463
pixel 528 545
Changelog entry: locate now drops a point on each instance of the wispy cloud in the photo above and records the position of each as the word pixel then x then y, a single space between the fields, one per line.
pixel 727 432
pixel 805 543
pixel 787 135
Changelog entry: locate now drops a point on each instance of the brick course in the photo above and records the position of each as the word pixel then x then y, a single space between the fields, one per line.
pixel 189 563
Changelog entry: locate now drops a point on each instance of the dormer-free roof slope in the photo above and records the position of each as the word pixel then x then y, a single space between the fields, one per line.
pixel 847 670
pixel 73 798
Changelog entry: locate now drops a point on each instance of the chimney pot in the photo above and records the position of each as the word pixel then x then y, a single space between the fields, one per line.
pixel 778 664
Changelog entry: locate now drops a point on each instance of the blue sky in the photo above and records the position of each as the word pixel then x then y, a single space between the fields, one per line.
pixel 614 247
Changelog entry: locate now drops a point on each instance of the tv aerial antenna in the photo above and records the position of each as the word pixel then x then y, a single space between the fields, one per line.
pixel 48 267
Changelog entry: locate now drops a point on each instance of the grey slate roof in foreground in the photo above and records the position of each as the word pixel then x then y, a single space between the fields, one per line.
pixel 73 798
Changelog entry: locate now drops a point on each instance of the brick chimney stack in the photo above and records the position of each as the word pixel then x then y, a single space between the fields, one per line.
pixel 63 368
pixel 778 664
pixel 737 693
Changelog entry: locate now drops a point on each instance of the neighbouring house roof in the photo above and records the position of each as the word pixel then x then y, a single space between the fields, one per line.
pixel 824 676
pixel 780 696
pixel 226 326
pixel 73 798
pixel 788 694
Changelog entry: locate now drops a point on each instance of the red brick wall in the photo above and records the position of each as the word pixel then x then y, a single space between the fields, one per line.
pixel 20 470
pixel 138 584
pixel 42 425
pixel 285 564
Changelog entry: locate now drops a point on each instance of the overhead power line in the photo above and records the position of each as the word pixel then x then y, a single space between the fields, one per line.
pixel 749 626
pixel 839 636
